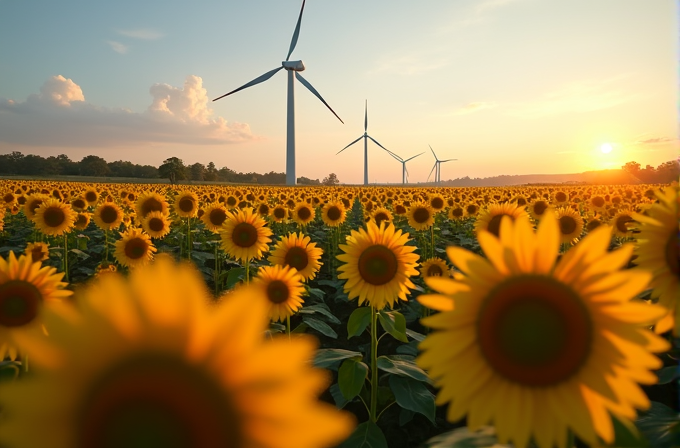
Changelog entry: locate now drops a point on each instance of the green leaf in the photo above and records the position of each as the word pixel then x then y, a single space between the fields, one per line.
pixel 351 377
pixel 660 425
pixel 366 435
pixel 81 242
pixel 335 284
pixel 626 435
pixel 394 323
pixel 358 321
pixel 316 292
pixel 80 253
pixel 234 276
pixel 321 327
pixel 403 368
pixel 340 400
pixel 410 349
pixel 320 308
pixel 415 335
pixel 413 395
pixel 328 358
pixel 300 328
pixel 668 374
pixel 405 416
pixel 463 438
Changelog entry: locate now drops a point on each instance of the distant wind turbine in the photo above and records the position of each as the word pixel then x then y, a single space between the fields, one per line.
pixel 404 171
pixel 294 68
pixel 366 137
pixel 437 167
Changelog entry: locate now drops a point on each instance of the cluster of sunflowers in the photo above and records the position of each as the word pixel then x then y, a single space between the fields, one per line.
pixel 539 330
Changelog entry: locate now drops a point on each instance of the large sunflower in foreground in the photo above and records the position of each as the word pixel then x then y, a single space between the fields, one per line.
pixel 27 289
pixel 282 285
pixel 539 348
pixel 490 219
pixel 54 218
pixel 244 235
pixel 153 364
pixel 298 251
pixel 659 252
pixel 134 248
pixel 378 264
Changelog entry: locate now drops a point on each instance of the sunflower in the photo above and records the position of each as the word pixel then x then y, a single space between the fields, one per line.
pixel 152 364
pixel 79 204
pixel 108 216
pixel 27 290
pixel 134 248
pixel 214 216
pixel 156 224
pixel 303 213
pixel 54 218
pixel 283 288
pixel 381 214
pixel 333 213
pixel 597 203
pixel 561 198
pixel 539 208
pixel 150 202
pixel 490 219
pixel 420 216
pixel 659 253
pixel 456 213
pixel 32 203
pixel 437 202
pixel 471 209
pixel 378 264
pixel 570 224
pixel 186 204
pixel 91 196
pixel 279 213
pixel 296 250
pixel 8 200
pixel 37 251
pixel 621 221
pixel 263 209
pixel 244 235
pixel 546 348
pixel 434 267
pixel 82 221
pixel 593 223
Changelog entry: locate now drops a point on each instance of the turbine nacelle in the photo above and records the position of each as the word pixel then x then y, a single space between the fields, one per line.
pixel 296 66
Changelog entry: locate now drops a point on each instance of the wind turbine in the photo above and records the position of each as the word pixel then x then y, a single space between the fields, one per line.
pixel 366 137
pixel 294 68
pixel 437 167
pixel 404 171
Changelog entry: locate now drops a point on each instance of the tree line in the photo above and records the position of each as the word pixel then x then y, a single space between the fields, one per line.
pixel 173 168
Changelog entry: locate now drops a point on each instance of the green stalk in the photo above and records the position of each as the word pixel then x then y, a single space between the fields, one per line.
pixel 106 245
pixel 189 238
pixel 217 273
pixel 374 365
pixel 432 239
pixel 247 271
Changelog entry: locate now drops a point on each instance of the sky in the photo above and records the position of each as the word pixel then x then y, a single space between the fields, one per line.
pixel 503 86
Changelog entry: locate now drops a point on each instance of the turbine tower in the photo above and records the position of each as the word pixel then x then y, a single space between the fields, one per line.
pixel 404 171
pixel 437 167
pixel 294 68
pixel 366 137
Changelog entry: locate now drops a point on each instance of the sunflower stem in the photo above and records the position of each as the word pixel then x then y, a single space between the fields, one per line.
pixel 432 240
pixel 374 365
pixel 247 271
pixel 189 238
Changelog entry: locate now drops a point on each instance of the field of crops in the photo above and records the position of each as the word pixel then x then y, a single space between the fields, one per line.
pixel 250 316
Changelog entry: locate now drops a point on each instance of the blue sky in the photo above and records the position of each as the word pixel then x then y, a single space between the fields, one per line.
pixel 505 86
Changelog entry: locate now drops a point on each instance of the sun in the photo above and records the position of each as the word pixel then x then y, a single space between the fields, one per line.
pixel 606 148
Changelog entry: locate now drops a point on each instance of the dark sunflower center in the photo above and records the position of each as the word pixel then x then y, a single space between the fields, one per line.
pixel 534 330
pixel 437 203
pixel 593 224
pixel 136 248
pixel 263 209
pixel 567 225
pixel 151 205
pixel 19 303
pixel 232 201
pixel 156 401
pixel 494 225
pixel 457 212
pixel 186 204
pixel 673 255
pixel 380 217
pixel 54 216
pixel 91 196
pixel 434 270
pixel 297 257
pixel 621 223
pixel 561 197
pixel 217 216
pixel 540 207
pixel 279 213
pixel 109 214
pixel 471 209
pixel 377 265
pixel 244 235
pixel 334 213
pixel 35 204
pixel 304 213
pixel 598 201
pixel 8 198
pixel 277 291
pixel 37 253
pixel 78 204
pixel 156 224
pixel 421 215
pixel 521 201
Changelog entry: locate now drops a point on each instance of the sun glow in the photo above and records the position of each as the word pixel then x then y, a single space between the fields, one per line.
pixel 606 148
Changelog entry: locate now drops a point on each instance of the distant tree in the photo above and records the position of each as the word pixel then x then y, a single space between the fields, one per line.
pixel 668 172
pixel 210 172
pixel 93 166
pixel 197 171
pixel 306 181
pixel 173 169
pixel 146 172
pixel 33 165
pixel 331 179
pixel 632 168
pixel 122 169
pixel 67 167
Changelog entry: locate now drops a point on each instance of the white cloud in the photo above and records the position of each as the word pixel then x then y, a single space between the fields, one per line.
pixel 60 116
pixel 143 33
pixel 475 107
pixel 117 46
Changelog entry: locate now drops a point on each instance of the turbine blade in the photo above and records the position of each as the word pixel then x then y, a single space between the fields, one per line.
pixel 414 157
pixel 349 145
pixel 257 80
pixel 313 90
pixel 296 33
pixel 447 160
pixel 376 142
pixel 435 155
pixel 366 117
pixel 394 155
pixel 406 169
pixel 428 176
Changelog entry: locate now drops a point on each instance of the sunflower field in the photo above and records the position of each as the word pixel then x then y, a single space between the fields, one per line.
pixel 136 315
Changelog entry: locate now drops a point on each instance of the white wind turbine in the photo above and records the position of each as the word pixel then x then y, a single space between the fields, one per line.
pixel 437 167
pixel 366 137
pixel 404 171
pixel 294 68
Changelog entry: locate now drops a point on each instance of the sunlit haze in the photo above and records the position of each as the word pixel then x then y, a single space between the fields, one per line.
pixel 504 86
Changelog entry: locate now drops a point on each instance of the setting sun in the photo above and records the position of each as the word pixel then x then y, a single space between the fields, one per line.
pixel 606 148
